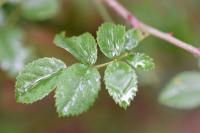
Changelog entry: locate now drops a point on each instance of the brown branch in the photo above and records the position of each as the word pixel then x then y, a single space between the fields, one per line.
pixel 123 12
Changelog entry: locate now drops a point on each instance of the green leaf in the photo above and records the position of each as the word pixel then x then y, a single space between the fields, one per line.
pixel 77 90
pixel 83 47
pixel 13 55
pixel 39 9
pixel 183 91
pixel 140 61
pixel 121 83
pixel 38 79
pixel 111 39
pixel 132 39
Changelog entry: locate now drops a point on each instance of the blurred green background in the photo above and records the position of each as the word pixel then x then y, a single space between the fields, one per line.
pixel 145 115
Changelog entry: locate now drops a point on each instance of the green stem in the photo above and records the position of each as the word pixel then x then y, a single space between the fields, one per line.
pixel 115 59
pixel 103 12
pixel 103 65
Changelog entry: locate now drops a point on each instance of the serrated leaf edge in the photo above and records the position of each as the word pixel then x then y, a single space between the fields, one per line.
pixel 134 91
pixel 46 77
pixel 89 106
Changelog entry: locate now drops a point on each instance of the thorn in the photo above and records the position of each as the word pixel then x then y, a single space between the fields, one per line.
pixel 134 22
pixel 130 17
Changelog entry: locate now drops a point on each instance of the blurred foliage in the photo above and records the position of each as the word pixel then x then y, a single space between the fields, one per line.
pixel 183 91
pixel 144 116
pixel 39 9
pixel 12 54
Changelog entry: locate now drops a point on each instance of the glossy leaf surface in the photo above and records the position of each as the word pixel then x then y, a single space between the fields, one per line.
pixel 83 47
pixel 132 39
pixel 38 79
pixel 111 39
pixel 121 83
pixel 140 61
pixel 77 89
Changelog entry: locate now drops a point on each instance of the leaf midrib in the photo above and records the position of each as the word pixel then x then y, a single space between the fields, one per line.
pixel 35 82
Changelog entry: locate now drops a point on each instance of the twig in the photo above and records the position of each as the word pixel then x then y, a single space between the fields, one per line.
pixel 123 12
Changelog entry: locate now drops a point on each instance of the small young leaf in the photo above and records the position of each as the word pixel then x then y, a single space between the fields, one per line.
pixel 111 39
pixel 121 83
pixel 140 61
pixel 183 92
pixel 39 9
pixel 37 79
pixel 83 47
pixel 132 39
pixel 78 87
pixel 13 55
